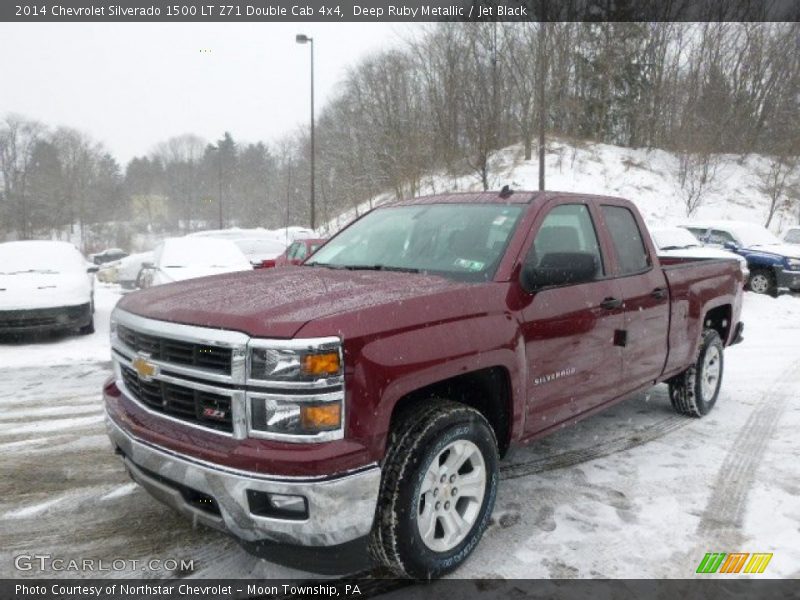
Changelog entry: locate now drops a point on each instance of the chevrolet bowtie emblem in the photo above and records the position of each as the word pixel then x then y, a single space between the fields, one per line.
pixel 144 367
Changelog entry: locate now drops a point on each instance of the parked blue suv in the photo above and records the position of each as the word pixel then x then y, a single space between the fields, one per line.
pixel 773 263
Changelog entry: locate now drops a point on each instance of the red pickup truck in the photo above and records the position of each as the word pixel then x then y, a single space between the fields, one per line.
pixel 367 396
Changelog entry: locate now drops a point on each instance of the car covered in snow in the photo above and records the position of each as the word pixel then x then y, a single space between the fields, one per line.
pixel 678 241
pixel 124 272
pixel 260 246
pixel 772 262
pixel 45 286
pixel 108 255
pixel 363 400
pixel 179 259
pixel 792 235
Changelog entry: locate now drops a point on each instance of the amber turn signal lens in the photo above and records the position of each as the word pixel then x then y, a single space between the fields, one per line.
pixel 321 364
pixel 321 417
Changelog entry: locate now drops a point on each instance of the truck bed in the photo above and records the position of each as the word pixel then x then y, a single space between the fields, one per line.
pixel 697 286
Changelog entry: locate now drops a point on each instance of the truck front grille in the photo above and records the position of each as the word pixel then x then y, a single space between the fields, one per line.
pixel 202 356
pixel 185 403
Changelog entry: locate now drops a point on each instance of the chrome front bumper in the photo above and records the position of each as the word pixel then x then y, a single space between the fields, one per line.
pixel 340 509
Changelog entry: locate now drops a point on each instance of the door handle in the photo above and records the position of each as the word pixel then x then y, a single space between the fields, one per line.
pixel 611 303
pixel 659 293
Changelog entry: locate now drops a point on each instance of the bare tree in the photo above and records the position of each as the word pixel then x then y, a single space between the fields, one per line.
pixel 697 172
pixel 776 181
pixel 18 139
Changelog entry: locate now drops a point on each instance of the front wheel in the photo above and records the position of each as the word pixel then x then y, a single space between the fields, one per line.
pixel 762 282
pixel 694 392
pixel 438 490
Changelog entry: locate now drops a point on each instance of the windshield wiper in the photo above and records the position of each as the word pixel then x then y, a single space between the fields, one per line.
pixel 321 264
pixel 382 268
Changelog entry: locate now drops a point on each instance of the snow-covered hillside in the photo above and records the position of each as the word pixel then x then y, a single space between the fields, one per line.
pixel 647 177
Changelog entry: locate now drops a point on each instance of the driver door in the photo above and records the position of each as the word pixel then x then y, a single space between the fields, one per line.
pixel 569 330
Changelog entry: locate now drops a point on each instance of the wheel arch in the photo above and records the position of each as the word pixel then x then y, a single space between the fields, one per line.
pixel 488 390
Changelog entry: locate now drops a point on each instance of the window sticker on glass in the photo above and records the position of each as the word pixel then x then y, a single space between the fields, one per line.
pixel 469 265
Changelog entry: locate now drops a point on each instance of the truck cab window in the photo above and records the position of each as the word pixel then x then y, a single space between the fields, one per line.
pixel 567 229
pixel 718 237
pixel 631 251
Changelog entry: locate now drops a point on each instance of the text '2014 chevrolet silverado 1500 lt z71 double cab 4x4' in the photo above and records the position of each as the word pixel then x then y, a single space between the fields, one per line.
pixel 367 395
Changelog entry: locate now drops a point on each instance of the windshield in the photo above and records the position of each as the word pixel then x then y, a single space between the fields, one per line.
pixel 462 241
pixel 671 239
pixel 36 257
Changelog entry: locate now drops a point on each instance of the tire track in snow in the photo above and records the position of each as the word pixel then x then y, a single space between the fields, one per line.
pixel 721 521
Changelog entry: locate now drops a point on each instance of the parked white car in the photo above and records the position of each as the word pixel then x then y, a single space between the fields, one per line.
pixel 680 242
pixel 45 285
pixel 792 236
pixel 178 259
pixel 129 268
pixel 259 245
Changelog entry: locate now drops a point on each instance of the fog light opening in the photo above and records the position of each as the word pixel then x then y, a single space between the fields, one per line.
pixel 278 506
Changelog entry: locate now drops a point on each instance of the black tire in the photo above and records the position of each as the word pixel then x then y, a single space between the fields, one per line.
pixel 686 391
pixel 417 438
pixel 762 281
pixel 87 329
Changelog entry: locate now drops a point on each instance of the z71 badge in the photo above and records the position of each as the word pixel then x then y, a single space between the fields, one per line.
pixel 213 413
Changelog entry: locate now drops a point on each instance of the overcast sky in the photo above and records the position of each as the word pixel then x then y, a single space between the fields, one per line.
pixel 133 85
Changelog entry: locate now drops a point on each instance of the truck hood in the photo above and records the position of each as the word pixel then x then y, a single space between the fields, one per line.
pixel 278 302
pixel 788 250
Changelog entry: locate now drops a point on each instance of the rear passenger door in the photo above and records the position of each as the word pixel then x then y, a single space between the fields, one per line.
pixel 645 298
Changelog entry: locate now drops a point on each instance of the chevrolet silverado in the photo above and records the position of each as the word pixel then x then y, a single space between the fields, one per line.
pixel 367 396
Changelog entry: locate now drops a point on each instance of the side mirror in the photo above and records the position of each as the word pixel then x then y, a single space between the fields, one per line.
pixel 92 269
pixel 559 268
pixel 730 246
pixel 148 265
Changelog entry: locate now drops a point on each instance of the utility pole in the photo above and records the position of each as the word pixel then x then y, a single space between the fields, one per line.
pixel 541 68
pixel 303 39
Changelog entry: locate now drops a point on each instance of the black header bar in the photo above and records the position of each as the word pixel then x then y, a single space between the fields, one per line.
pixel 397 10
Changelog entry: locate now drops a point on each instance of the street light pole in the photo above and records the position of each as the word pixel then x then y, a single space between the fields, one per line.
pixel 218 150
pixel 219 179
pixel 302 39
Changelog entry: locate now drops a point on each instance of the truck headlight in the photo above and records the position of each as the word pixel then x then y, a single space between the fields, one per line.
pixel 793 264
pixel 310 417
pixel 295 389
pixel 295 362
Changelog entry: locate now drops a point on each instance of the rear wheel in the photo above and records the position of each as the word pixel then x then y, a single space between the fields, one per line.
pixel 438 489
pixel 762 281
pixel 694 392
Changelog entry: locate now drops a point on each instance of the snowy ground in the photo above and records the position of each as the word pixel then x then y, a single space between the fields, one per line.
pixel 633 492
